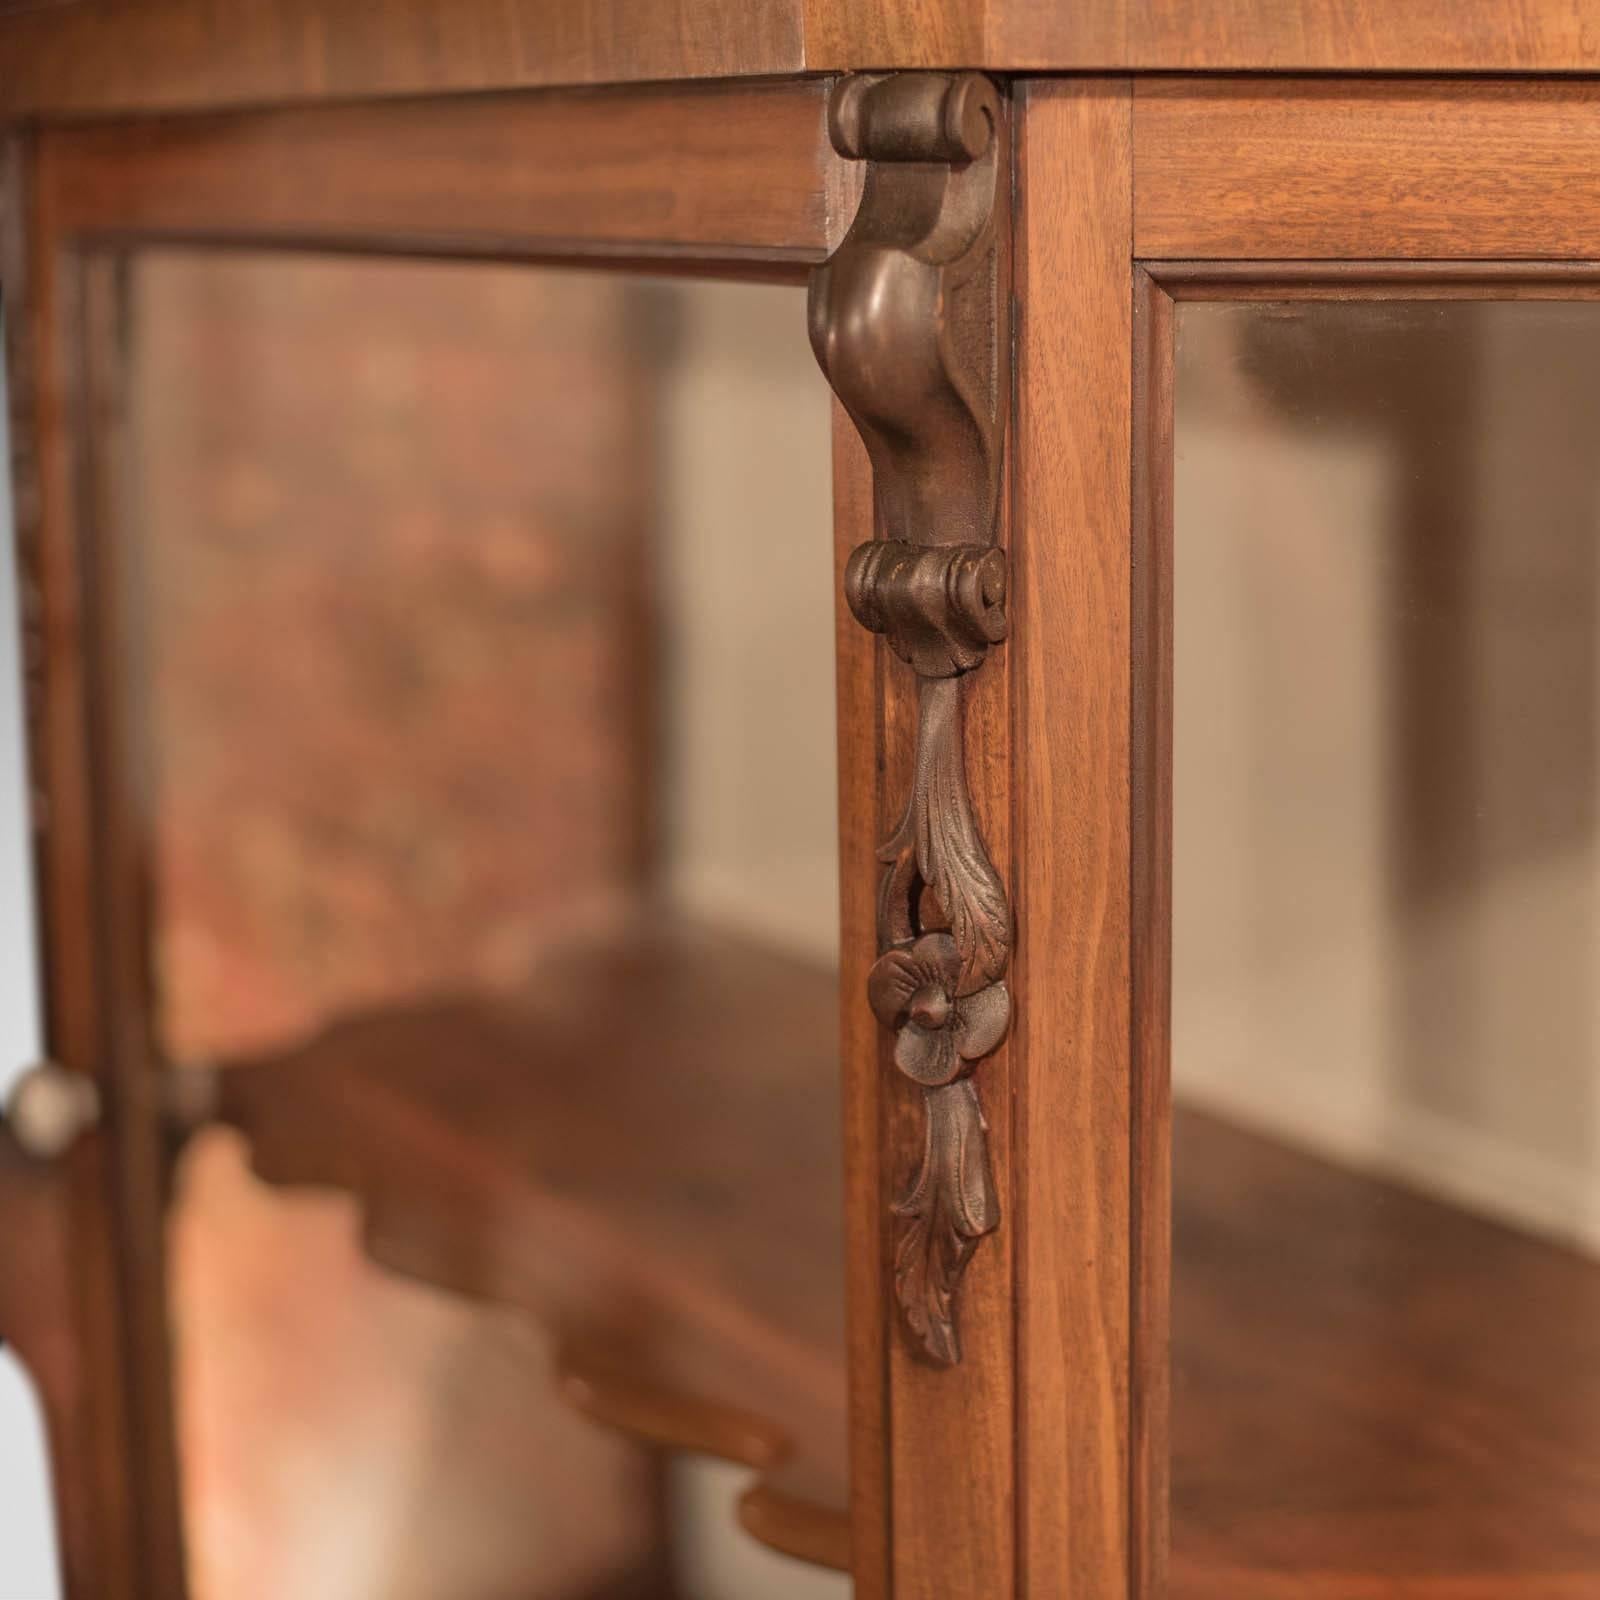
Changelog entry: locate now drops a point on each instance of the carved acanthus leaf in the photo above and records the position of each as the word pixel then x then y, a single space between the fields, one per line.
pixel 949 1206
pixel 940 836
pixel 908 322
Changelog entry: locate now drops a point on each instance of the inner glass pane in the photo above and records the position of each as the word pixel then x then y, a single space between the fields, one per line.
pixel 485 624
pixel 1386 1047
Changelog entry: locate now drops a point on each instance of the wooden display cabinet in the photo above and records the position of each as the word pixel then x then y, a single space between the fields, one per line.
pixel 1002 211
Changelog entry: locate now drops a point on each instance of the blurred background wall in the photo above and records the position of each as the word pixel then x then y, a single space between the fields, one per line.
pixel 1387 866
pixel 470 595
pixel 471 591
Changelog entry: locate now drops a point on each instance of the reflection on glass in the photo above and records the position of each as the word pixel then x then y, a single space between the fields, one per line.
pixel 470 601
pixel 1387 928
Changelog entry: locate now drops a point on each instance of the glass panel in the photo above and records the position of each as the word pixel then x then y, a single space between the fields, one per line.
pixel 21 1033
pixel 1387 901
pixel 487 624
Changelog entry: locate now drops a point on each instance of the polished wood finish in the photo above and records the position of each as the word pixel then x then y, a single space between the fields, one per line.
pixel 921 272
pixel 80 57
pixel 692 1274
pixel 863 1053
pixel 1150 752
pixel 1377 1396
pixel 88 56
pixel 642 1148
pixel 1287 168
pixel 1356 36
pixel 1038 36
pixel 111 1428
pixel 1316 1308
pixel 333 180
pixel 1072 798
pixel 735 172
pixel 951 1430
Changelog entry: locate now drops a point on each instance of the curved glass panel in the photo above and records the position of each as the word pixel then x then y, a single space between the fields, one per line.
pixel 1386 1046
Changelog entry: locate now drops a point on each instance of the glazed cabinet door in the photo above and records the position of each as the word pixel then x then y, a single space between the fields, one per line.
pixel 1363 536
pixel 83 1144
pixel 429 604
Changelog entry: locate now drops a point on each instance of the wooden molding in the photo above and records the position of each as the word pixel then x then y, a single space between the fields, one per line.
pixel 735 176
pixel 908 322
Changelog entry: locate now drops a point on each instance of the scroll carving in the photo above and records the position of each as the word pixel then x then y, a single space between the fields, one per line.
pixel 908 320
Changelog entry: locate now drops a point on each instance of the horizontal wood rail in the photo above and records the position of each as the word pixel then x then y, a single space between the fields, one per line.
pixel 739 173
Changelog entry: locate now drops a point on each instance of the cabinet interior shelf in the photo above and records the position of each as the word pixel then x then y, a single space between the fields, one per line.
pixel 1375 1395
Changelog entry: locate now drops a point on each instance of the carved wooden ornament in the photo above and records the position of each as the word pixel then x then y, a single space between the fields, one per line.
pixel 909 321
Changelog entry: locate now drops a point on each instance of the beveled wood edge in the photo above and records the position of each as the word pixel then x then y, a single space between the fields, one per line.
pixel 1150 1052
pixel 115 1496
pixel 165 56
pixel 736 179
pixel 1070 710
pixel 1378 279
pixel 1339 168
pixel 77 232
pixel 1158 286
pixel 397 1235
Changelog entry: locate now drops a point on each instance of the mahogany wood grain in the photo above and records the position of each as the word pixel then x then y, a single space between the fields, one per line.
pixel 1333 1361
pixel 1355 35
pixel 857 34
pixel 643 1149
pixel 1072 848
pixel 739 172
pixel 1323 169
pixel 117 1502
pixel 45 1275
pixel 1377 1397
pixel 1151 937
pixel 120 810
pixel 863 1073
pixel 951 1429
pixel 100 55
pixel 83 57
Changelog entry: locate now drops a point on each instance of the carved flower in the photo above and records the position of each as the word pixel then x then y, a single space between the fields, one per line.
pixel 913 990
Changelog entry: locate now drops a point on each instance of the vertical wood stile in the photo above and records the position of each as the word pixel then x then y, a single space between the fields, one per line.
pixel 1071 795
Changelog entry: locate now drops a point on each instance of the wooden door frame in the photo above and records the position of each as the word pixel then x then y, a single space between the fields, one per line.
pixel 735 181
pixel 1134 194
pixel 1038 1466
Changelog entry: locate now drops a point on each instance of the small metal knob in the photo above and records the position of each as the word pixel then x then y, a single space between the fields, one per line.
pixel 49 1107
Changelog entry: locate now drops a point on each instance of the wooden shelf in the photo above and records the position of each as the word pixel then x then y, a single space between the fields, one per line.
pixel 1376 1396
pixel 642 1149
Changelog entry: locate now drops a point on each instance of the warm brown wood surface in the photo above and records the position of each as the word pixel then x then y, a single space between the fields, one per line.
pixel 863 1071
pixel 1296 35
pixel 96 56
pixel 1325 169
pixel 1376 1396
pixel 1349 1419
pixel 117 1502
pixel 1194 35
pixel 951 1429
pixel 1151 625
pixel 643 1149
pixel 1071 644
pixel 736 171
pixel 48 1268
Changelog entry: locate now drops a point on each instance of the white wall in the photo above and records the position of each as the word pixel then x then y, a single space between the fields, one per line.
pixel 1387 909
pixel 747 581
pixel 751 836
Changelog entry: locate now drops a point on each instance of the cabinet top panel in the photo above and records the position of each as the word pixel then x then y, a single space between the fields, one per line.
pixel 85 57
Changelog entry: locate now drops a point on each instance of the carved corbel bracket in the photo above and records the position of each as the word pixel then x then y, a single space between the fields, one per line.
pixel 909 322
